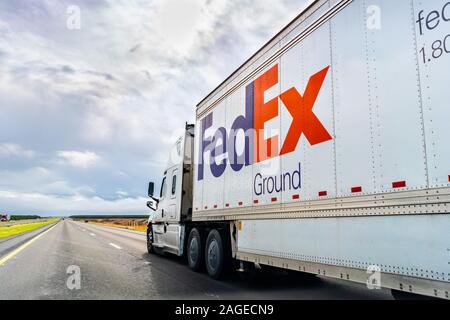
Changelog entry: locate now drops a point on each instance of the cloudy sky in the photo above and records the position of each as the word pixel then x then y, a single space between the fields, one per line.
pixel 87 115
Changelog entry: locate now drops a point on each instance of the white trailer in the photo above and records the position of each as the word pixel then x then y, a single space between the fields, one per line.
pixel 326 152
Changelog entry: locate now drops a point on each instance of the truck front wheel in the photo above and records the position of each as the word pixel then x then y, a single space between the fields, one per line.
pixel 216 255
pixel 195 250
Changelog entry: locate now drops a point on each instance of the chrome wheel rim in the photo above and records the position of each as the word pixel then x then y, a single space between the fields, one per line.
pixel 213 255
pixel 193 250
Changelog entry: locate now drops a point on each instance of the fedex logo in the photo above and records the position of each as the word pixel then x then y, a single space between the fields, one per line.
pixel 223 147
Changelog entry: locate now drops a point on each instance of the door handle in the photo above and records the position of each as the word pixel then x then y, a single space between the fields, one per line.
pixel 162 213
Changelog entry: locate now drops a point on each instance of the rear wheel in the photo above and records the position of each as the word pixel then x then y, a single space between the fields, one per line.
pixel 195 250
pixel 216 255
pixel 150 248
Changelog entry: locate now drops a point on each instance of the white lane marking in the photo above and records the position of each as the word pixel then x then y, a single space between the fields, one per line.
pixel 18 250
pixel 115 246
pixel 92 234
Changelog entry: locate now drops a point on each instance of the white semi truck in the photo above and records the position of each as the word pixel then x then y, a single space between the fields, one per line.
pixel 326 152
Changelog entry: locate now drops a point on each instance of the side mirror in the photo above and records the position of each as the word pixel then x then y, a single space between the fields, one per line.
pixel 152 204
pixel 151 189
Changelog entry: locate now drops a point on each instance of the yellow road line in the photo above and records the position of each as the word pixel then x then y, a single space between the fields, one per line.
pixel 18 250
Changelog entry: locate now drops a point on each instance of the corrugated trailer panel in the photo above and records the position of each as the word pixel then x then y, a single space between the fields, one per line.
pixel 213 184
pixel 353 113
pixel 433 48
pixel 238 183
pixel 395 99
pixel 356 243
pixel 293 75
pixel 318 170
pixel 271 166
pixel 384 111
pixel 197 198
pixel 370 103
pixel 318 163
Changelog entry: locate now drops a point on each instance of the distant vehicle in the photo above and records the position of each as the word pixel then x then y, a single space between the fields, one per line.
pixel 326 153
pixel 4 217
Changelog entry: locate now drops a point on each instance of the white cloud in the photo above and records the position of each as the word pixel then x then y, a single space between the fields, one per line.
pixel 8 195
pixel 79 159
pixel 20 202
pixel 14 150
pixel 42 180
pixel 121 193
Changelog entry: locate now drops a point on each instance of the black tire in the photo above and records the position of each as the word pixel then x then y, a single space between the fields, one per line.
pixel 195 250
pixel 150 248
pixel 216 255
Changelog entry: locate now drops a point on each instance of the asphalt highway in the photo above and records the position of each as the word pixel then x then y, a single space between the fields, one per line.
pixel 74 260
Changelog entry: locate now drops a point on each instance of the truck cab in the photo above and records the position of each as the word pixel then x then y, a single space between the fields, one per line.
pixel 172 202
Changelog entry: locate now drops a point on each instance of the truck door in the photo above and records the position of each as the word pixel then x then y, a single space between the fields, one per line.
pixel 167 227
pixel 159 215
pixel 171 217
pixel 158 226
pixel 172 209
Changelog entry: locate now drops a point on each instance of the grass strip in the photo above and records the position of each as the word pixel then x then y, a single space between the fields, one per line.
pixel 22 228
